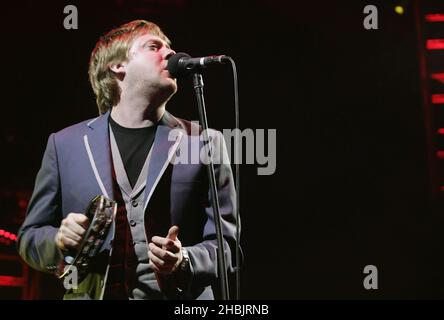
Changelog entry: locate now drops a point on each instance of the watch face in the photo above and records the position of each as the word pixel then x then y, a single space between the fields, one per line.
pixel 184 265
pixel 185 259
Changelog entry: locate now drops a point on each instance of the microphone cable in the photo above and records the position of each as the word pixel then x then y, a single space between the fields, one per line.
pixel 237 176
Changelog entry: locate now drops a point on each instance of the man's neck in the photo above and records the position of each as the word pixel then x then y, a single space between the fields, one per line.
pixel 137 114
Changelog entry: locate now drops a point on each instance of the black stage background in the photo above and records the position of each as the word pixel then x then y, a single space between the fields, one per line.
pixel 351 186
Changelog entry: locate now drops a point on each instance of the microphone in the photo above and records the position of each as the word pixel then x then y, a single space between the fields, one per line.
pixel 181 64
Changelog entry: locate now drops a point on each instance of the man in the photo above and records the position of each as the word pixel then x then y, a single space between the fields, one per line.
pixel 164 243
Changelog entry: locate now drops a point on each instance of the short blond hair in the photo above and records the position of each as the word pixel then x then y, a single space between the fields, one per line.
pixel 113 48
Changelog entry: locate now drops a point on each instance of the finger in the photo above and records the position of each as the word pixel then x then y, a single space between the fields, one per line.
pixel 162 242
pixel 72 225
pixel 164 255
pixel 173 233
pixel 68 233
pixel 160 264
pixel 69 243
pixel 80 219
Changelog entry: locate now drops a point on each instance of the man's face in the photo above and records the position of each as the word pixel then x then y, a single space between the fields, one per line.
pixel 146 66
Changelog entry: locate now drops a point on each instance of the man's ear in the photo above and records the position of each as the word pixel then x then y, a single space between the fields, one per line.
pixel 118 68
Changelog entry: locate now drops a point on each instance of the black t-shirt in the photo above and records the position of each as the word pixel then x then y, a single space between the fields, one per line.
pixel 134 145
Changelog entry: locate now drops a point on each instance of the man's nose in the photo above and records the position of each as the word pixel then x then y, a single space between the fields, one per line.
pixel 168 53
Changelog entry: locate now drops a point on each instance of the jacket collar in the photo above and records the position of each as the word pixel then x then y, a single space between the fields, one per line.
pixel 164 148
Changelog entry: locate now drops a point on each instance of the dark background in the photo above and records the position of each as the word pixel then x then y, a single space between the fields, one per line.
pixel 351 186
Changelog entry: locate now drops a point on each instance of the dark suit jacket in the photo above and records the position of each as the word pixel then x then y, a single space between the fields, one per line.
pixel 77 165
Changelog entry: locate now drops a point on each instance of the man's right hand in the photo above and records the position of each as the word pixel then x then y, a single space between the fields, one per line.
pixel 71 231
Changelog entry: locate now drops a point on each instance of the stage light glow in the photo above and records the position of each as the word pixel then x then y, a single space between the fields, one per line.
pixel 399 9
pixel 435 17
pixel 438 76
pixel 435 44
pixel 6 235
pixel 438 98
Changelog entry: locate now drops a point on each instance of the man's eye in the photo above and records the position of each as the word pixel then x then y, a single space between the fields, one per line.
pixel 153 46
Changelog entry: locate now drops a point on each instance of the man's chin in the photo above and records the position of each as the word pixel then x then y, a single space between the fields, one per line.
pixel 172 85
pixel 170 90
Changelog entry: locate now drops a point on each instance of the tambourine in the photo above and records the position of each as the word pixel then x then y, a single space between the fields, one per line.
pixel 101 213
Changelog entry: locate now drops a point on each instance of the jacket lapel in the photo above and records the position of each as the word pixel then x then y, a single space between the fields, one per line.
pixel 99 153
pixel 97 145
pixel 164 149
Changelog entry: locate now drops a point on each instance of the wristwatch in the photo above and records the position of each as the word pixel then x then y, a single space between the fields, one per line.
pixel 185 264
pixel 184 274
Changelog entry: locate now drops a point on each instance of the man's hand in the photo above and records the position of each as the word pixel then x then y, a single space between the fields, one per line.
pixel 165 253
pixel 71 231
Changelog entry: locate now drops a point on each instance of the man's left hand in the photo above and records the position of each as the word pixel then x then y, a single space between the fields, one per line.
pixel 165 253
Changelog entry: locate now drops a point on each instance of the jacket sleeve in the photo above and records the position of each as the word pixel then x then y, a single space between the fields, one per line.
pixel 203 256
pixel 36 244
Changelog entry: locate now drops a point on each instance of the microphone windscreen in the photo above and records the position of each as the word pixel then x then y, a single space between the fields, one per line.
pixel 173 66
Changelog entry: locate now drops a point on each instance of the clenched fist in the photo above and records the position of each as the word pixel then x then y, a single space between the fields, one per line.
pixel 71 231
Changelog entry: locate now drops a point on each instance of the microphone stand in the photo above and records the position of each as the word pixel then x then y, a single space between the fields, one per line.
pixel 198 87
